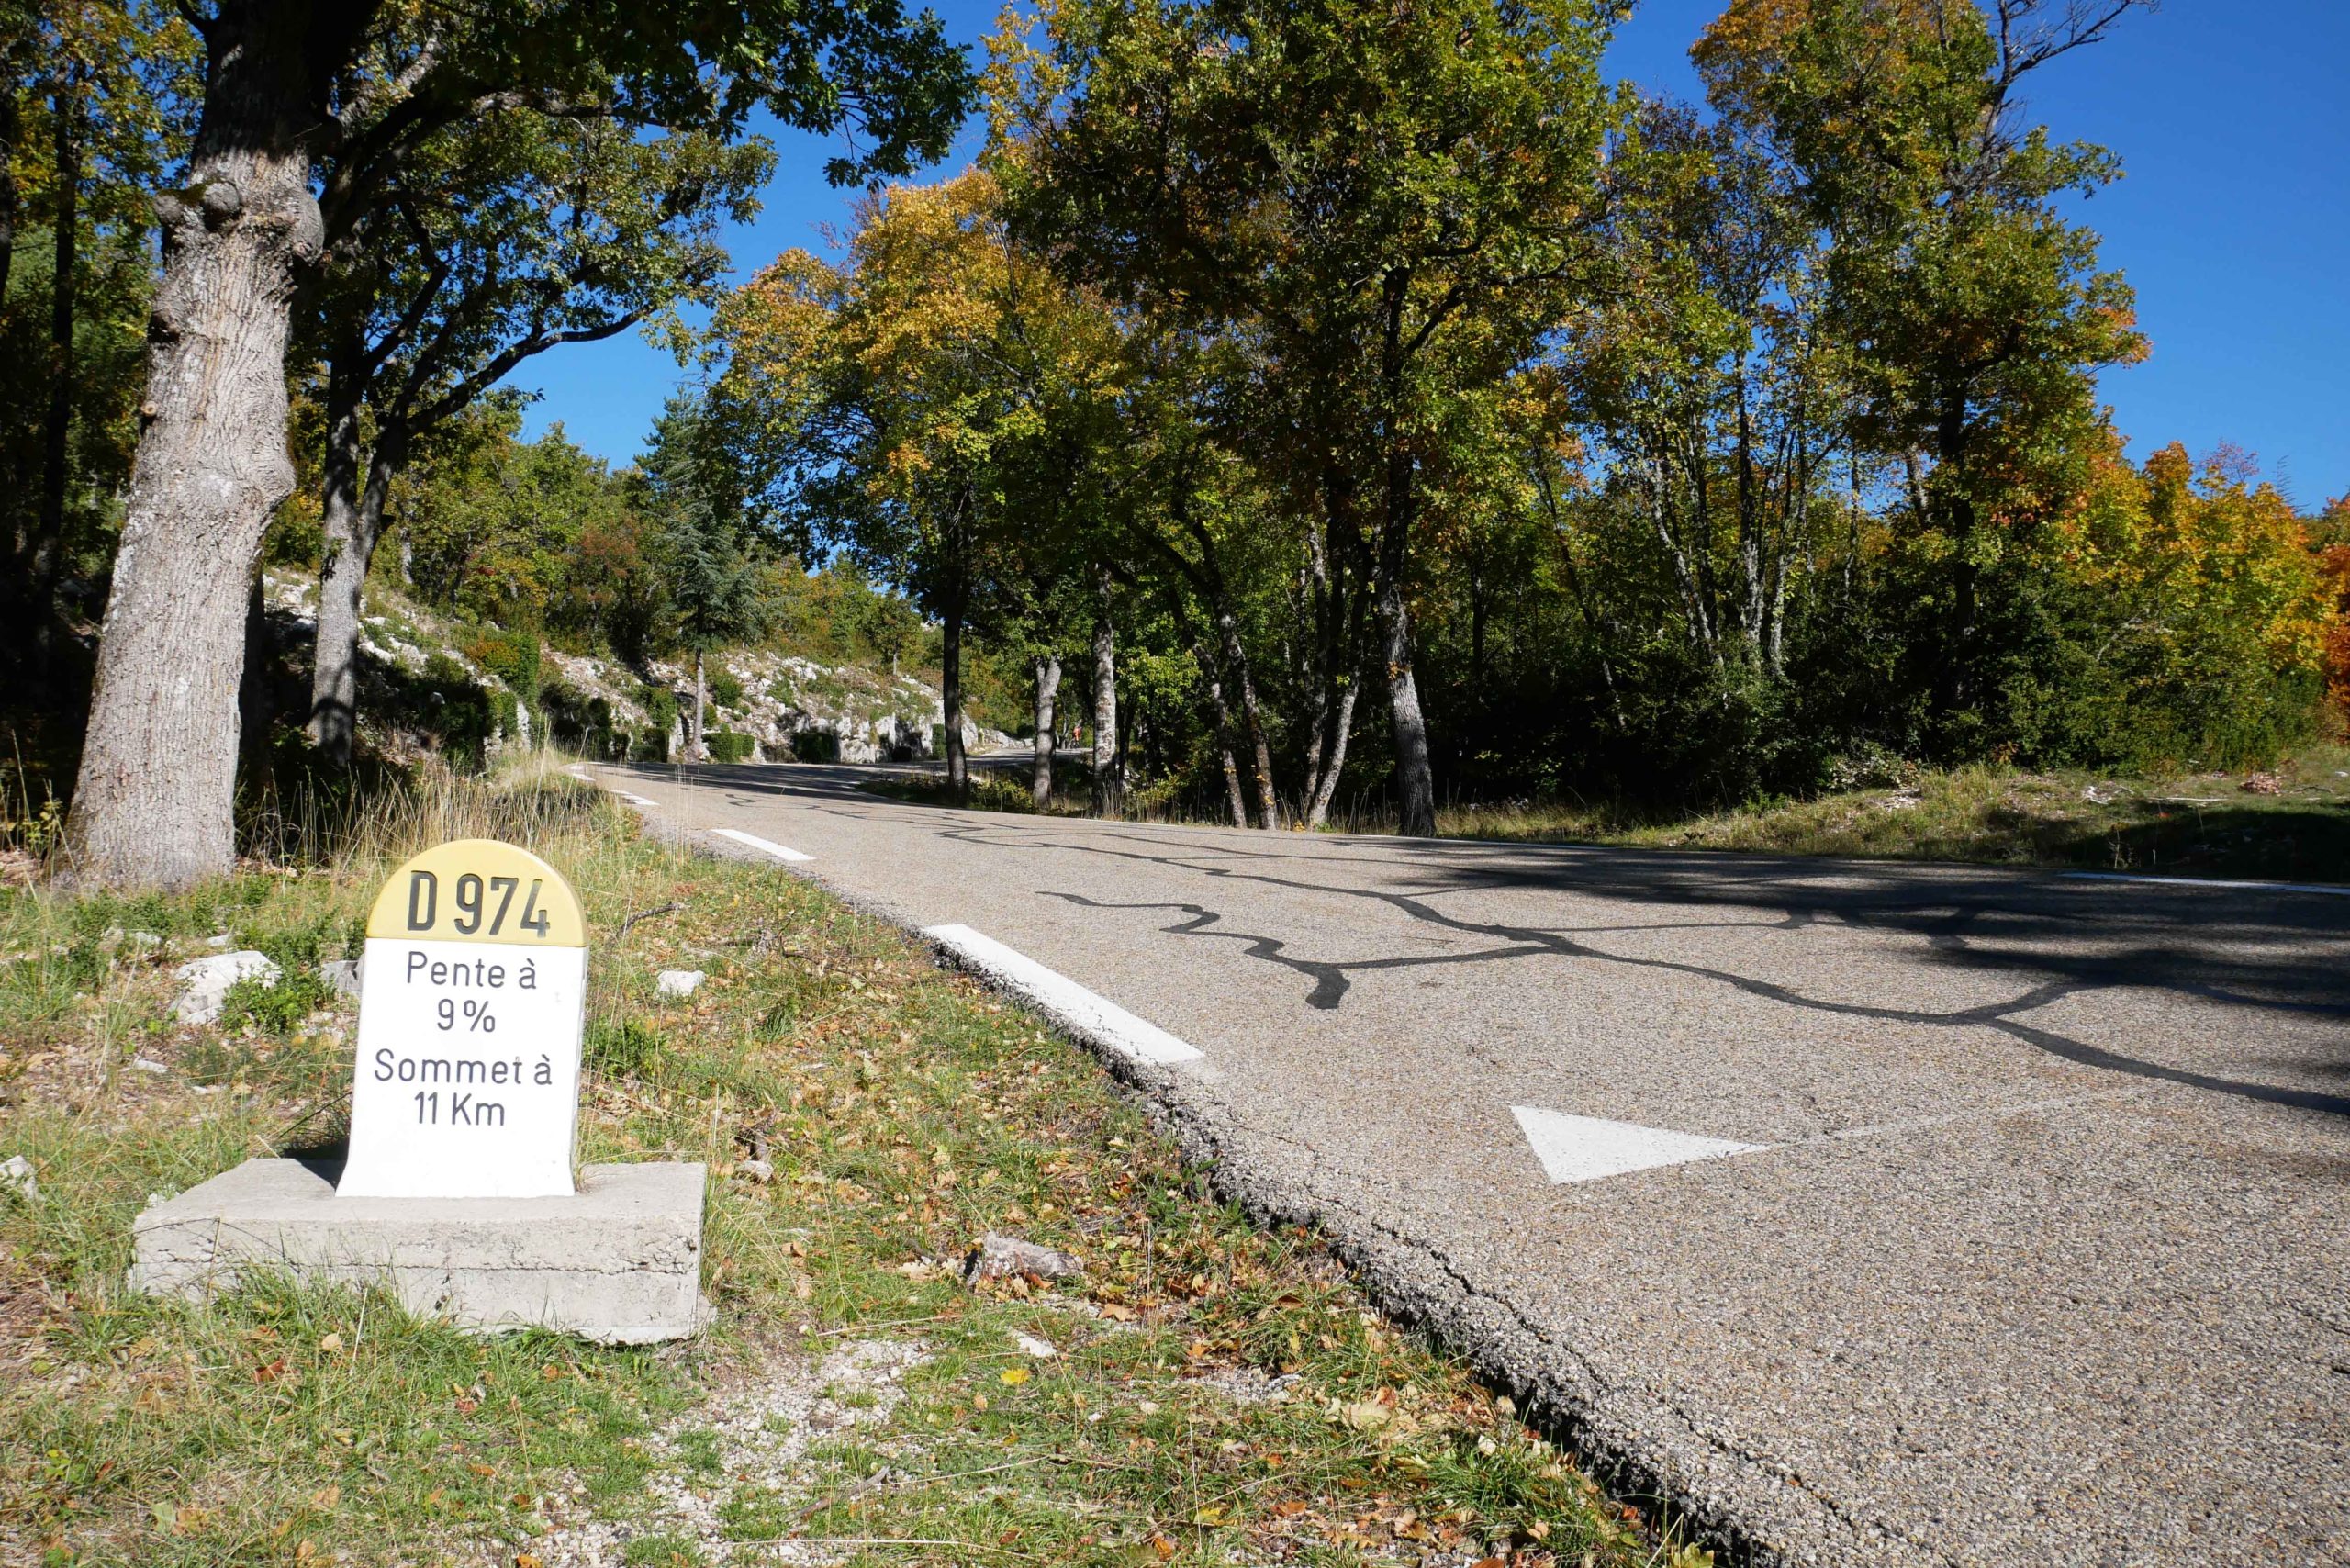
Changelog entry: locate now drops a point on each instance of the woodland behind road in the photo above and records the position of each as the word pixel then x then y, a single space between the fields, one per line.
pixel 1311 411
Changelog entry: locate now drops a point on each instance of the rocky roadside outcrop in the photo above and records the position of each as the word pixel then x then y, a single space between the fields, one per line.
pixel 785 707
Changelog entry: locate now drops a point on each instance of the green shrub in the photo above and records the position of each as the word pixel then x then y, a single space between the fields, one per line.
pixel 505 708
pixel 448 703
pixel 660 705
pixel 816 745
pixel 582 722
pixel 622 1048
pixel 727 746
pixel 274 1009
pixel 725 689
pixel 512 656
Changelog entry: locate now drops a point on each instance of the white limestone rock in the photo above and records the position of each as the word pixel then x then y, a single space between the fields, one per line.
pixel 204 982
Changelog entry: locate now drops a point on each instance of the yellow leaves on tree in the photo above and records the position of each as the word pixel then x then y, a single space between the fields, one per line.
pixel 2210 562
pixel 2333 574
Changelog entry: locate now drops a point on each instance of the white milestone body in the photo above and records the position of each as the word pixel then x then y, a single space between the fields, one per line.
pixel 467 1079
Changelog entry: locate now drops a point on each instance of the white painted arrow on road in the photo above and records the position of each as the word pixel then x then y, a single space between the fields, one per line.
pixel 1585 1149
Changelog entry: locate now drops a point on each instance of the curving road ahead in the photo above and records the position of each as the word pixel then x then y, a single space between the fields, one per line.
pixel 1874 1213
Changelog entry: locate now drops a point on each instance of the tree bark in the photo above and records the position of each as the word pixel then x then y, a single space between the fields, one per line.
pixel 1317 810
pixel 1269 815
pixel 153 803
pixel 1048 686
pixel 700 749
pixel 1333 713
pixel 1415 786
pixel 1325 578
pixel 950 691
pixel 1109 763
pixel 354 526
pixel 1753 586
pixel 1223 711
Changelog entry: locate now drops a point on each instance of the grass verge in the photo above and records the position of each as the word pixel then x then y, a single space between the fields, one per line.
pixel 1206 1391
pixel 2291 824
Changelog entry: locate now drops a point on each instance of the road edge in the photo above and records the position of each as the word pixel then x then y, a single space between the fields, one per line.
pixel 1638 1445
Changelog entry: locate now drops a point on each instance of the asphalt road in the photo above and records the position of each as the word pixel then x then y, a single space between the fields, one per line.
pixel 2024 1233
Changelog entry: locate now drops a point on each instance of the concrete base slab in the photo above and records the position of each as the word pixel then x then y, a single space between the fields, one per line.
pixel 619 1261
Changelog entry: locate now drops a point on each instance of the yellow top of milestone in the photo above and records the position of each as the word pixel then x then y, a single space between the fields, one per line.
pixel 478 890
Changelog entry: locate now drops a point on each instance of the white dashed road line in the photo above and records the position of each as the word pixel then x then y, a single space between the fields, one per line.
pixel 614 789
pixel 1585 1149
pixel 1062 999
pixel 767 847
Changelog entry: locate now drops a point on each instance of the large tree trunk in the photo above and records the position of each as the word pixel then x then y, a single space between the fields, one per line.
pixel 1317 810
pixel 1223 711
pixel 152 804
pixel 334 674
pixel 354 525
pixel 1415 785
pixel 1048 687
pixel 1325 580
pixel 699 750
pixel 950 693
pixel 1109 759
pixel 1333 713
pixel 1754 569
pixel 1269 815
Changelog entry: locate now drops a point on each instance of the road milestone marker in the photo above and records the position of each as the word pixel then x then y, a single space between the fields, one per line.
pixel 458 1192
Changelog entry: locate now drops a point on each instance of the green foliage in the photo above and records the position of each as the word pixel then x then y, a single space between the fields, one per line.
pixel 446 703
pixel 511 656
pixel 581 724
pixel 660 705
pixel 521 534
pixel 1704 454
pixel 621 1048
pixel 728 746
pixel 272 1008
pixel 697 487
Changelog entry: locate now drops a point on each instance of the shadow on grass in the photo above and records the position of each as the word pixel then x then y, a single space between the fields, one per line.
pixel 2309 842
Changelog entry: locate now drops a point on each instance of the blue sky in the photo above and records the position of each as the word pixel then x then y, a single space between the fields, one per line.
pixel 2233 222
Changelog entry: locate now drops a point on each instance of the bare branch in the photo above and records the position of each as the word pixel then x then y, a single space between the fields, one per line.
pixel 2033 33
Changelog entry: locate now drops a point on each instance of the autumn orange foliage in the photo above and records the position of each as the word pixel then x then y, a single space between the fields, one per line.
pixel 2333 571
